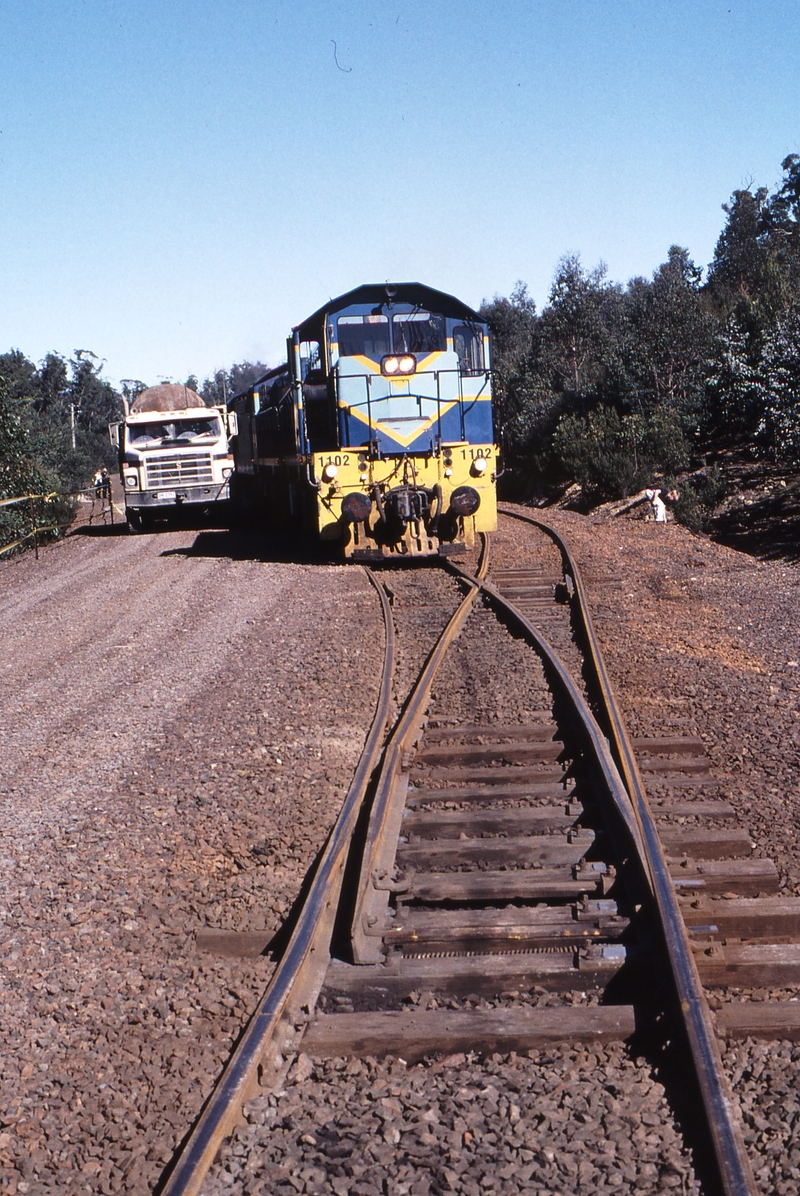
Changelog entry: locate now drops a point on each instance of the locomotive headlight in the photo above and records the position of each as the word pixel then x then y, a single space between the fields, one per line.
pixel 329 473
pixel 478 466
pixel 395 366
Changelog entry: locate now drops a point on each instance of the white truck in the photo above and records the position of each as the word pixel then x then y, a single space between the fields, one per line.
pixel 174 453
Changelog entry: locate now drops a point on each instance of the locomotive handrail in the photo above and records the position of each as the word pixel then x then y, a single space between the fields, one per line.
pixel 731 1157
pixel 299 973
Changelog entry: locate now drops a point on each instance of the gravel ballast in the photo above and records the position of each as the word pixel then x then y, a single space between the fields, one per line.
pixel 180 724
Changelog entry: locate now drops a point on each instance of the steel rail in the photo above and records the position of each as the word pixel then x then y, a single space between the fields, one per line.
pixel 300 972
pixel 386 811
pixel 598 744
pixel 733 1164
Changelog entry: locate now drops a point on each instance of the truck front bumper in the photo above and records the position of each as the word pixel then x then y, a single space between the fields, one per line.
pixel 170 500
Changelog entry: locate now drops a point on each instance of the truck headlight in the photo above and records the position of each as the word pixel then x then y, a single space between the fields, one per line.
pixel 226 471
pixel 131 481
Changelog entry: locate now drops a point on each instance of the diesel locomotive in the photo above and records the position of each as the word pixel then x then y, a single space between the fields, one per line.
pixel 377 432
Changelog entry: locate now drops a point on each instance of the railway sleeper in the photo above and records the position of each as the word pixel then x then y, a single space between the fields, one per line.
pixel 588 968
pixel 492 732
pixel 452 824
pixel 698 807
pixel 672 745
pixel 684 764
pixel 485 929
pixel 744 878
pixel 748 965
pixel 758 1019
pixel 540 751
pixel 518 884
pixel 727 917
pixel 706 844
pixel 516 851
pixel 413 1034
pixel 490 776
pixel 420 795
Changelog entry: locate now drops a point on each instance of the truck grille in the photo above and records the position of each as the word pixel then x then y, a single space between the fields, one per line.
pixel 187 470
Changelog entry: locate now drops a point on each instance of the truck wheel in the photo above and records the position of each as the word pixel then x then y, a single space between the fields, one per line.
pixel 137 523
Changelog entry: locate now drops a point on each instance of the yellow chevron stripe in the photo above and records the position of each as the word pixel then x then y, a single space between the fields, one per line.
pixel 422 427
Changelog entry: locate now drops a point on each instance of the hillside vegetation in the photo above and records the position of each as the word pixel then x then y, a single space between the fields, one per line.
pixel 671 379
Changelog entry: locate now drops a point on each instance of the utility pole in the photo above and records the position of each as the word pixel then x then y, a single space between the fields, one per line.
pixel 72 423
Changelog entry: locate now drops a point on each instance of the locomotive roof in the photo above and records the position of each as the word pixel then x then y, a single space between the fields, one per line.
pixel 374 294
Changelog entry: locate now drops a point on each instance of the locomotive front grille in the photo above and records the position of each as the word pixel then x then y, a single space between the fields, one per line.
pixel 189 470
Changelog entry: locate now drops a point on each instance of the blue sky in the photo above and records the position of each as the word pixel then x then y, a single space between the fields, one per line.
pixel 180 184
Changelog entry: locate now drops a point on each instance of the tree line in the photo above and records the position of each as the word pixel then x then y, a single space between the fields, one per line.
pixel 612 386
pixel 54 421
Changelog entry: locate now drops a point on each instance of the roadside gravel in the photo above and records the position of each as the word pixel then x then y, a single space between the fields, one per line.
pixel 180 720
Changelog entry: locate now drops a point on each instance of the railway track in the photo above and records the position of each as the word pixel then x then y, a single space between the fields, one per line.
pixel 504 847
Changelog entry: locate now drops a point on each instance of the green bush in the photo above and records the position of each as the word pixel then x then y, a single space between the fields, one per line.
pixel 613 455
pixel 19 476
pixel 698 498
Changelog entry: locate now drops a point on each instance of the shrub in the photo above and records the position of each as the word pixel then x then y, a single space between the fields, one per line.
pixel 698 498
pixel 613 455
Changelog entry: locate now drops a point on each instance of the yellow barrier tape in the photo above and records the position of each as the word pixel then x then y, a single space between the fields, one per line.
pixel 53 527
pixel 7 502
pixel 15 543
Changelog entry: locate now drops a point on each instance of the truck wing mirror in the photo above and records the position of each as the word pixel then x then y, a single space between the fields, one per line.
pixel 113 434
pixel 233 424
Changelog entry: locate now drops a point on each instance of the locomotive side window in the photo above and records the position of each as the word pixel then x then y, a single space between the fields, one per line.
pixel 419 332
pixel 468 345
pixel 309 357
pixel 363 336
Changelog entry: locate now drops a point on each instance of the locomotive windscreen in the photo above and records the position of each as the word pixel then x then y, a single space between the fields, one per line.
pixel 419 332
pixel 363 336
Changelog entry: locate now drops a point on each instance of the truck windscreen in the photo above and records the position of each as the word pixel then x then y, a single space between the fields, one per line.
pixel 183 431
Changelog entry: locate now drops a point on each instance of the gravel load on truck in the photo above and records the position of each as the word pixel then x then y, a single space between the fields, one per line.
pixel 169 396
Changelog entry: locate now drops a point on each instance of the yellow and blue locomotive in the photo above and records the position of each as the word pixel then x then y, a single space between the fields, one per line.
pixel 378 432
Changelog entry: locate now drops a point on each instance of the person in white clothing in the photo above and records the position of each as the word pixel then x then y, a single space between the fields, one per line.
pixel 657 506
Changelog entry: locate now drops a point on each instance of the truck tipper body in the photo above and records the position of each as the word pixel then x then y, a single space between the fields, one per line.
pixel 174 452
